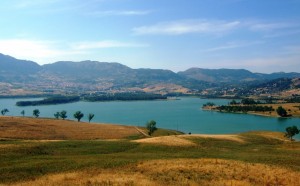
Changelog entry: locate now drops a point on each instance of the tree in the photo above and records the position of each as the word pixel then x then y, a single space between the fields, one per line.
pixel 36 113
pixel 91 116
pixel 291 131
pixel 233 102
pixel 23 113
pixel 248 101
pixel 78 115
pixel 4 111
pixel 56 115
pixel 63 114
pixel 281 111
pixel 151 126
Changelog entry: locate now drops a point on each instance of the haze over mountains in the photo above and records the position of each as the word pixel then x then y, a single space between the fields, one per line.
pixel 101 76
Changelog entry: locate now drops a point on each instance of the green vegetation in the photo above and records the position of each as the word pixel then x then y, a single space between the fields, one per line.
pixel 56 115
pixel 241 108
pixel 151 127
pixel 294 99
pixel 78 115
pixel 209 104
pixel 291 131
pixel 36 113
pixel 23 113
pixel 249 101
pixel 63 114
pixel 281 111
pixel 126 96
pixel 29 160
pixel 4 111
pixel 90 117
pixel 50 101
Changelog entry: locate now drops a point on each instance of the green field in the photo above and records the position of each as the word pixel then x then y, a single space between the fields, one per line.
pixel 25 161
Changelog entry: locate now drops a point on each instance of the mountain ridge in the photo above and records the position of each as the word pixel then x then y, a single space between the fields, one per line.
pixel 109 76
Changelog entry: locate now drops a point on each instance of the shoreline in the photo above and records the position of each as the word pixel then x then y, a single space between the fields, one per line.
pixel 251 113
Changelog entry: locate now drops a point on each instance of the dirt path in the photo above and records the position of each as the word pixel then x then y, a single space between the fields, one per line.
pixel 142 132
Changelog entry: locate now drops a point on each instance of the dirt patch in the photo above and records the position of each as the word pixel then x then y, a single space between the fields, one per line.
pixel 229 137
pixel 167 140
pixel 177 172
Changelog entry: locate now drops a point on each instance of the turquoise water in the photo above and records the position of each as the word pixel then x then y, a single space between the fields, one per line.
pixel 185 115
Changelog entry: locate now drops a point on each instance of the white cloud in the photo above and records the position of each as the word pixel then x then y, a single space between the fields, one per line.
pixel 121 13
pixel 271 26
pixel 233 45
pixel 48 51
pixel 28 48
pixel 104 44
pixel 188 26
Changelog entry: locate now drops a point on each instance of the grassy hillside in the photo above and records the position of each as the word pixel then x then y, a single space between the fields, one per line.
pixel 51 129
pixel 254 158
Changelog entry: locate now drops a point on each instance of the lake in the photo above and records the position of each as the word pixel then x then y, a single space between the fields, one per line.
pixel 185 115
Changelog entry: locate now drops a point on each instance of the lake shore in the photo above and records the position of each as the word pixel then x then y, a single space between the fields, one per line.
pixel 293 109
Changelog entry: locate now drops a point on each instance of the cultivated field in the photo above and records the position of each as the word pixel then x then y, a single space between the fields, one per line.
pixel 124 156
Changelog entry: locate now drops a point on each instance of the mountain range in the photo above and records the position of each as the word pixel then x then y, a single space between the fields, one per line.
pixel 104 76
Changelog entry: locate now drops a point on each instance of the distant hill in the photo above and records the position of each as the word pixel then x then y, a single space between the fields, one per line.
pixel 85 76
pixel 232 75
pixel 15 70
pixel 10 64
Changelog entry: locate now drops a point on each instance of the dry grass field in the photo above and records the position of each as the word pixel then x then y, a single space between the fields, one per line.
pixel 48 152
pixel 51 129
pixel 177 172
pixel 291 108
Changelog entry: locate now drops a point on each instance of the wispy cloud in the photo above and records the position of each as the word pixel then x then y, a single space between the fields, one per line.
pixel 120 13
pixel 46 51
pixel 234 45
pixel 217 27
pixel 187 26
pixel 271 26
pixel 104 44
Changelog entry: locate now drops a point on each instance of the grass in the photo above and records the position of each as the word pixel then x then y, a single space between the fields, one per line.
pixel 23 161
pixel 52 129
pixel 260 158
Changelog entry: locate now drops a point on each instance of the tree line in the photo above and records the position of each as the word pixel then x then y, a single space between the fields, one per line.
pixel 63 114
pixel 50 101
pixel 244 108
pixel 125 96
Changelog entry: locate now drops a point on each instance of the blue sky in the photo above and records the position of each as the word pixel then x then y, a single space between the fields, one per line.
pixel 258 35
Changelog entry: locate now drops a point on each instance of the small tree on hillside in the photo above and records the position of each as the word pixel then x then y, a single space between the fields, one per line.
pixel 4 111
pixel 291 131
pixel 281 111
pixel 23 113
pixel 91 116
pixel 233 102
pixel 56 115
pixel 78 115
pixel 63 114
pixel 151 126
pixel 36 113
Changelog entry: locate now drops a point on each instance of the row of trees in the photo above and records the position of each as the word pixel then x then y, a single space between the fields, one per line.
pixel 63 114
pixel 238 108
